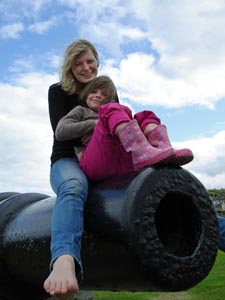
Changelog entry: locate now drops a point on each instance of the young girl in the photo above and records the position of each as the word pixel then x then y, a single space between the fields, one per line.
pixel 120 144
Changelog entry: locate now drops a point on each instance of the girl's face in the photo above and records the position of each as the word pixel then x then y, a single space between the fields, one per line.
pixel 85 67
pixel 96 98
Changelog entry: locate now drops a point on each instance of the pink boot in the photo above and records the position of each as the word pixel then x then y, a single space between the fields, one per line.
pixel 158 138
pixel 143 154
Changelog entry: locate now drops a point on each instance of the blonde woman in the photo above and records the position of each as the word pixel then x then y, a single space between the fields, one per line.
pixel 68 181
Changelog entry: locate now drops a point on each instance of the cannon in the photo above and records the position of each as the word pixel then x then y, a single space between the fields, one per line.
pixel 155 231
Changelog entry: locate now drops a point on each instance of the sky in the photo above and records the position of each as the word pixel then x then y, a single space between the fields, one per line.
pixel 164 56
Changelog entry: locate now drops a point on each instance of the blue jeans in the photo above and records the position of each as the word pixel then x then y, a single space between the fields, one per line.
pixel 221 221
pixel 70 184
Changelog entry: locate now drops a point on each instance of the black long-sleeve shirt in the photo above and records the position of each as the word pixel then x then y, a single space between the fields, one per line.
pixel 60 103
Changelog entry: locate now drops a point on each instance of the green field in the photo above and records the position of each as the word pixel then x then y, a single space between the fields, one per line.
pixel 211 288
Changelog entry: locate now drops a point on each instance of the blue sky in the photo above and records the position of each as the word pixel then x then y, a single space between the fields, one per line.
pixel 166 56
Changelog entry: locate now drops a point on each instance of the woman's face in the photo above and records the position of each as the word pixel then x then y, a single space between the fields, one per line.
pixel 85 67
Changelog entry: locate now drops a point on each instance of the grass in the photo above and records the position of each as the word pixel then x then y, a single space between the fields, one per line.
pixel 211 288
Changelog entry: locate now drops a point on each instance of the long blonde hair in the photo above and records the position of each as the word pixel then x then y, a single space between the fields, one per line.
pixel 73 52
pixel 100 82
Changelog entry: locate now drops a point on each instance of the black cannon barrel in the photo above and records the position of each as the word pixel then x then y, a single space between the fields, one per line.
pixel 156 231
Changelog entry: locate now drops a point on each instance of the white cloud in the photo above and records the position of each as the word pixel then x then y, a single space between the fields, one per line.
pixel 11 31
pixel 25 152
pixel 188 41
pixel 132 33
pixel 37 5
pixel 26 135
pixel 208 164
pixel 32 63
pixel 43 26
pixel 28 92
pixel 138 79
pixel 181 24
pixel 14 9
pixel 18 15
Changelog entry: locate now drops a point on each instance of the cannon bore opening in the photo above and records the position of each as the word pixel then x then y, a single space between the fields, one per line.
pixel 178 223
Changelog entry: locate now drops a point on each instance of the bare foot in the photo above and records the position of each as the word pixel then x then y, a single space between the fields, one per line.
pixel 62 280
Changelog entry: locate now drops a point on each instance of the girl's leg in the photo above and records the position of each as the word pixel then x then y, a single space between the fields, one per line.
pixel 118 119
pixel 114 114
pixel 108 155
pixel 150 125
pixel 147 120
pixel 71 186
pixel 104 156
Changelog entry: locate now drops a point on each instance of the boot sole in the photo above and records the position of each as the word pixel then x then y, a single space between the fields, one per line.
pixel 163 155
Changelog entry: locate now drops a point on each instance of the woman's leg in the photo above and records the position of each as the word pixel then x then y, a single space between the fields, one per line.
pixel 71 187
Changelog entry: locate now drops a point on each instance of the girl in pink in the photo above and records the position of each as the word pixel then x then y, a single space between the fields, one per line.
pixel 120 143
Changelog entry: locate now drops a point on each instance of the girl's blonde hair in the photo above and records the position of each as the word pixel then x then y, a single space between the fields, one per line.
pixel 100 82
pixel 72 53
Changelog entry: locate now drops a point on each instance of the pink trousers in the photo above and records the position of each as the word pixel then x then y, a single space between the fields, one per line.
pixel 104 156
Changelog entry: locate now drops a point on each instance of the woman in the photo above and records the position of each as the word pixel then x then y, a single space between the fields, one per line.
pixel 68 181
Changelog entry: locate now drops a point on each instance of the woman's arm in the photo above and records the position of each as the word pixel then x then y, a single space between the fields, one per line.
pixel 57 100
